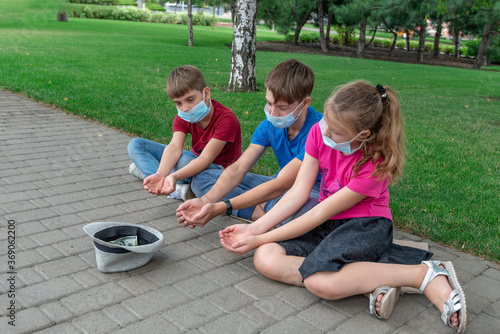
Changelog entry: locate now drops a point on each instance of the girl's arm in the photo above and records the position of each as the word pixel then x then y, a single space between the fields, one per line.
pixel 336 203
pixel 293 200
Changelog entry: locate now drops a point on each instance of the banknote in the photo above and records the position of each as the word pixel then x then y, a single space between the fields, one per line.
pixel 125 241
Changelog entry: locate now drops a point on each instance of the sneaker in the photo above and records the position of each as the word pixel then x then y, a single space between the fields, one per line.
pixel 134 170
pixel 175 195
pixel 182 191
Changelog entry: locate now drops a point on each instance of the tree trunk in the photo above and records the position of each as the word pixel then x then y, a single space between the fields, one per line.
pixel 321 16
pixel 439 28
pixel 456 42
pixel 481 58
pixel 408 47
pixel 393 46
pixel 243 48
pixel 190 22
pixel 299 26
pixel 373 37
pixel 421 42
pixel 329 25
pixel 362 38
pixel 233 10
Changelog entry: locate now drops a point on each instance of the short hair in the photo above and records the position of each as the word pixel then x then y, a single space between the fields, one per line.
pixel 290 81
pixel 183 79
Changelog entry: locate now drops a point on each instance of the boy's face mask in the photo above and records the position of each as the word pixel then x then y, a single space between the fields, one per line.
pixel 197 113
pixel 284 121
pixel 344 147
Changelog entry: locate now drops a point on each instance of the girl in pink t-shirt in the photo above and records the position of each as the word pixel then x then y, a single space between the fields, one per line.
pixel 343 246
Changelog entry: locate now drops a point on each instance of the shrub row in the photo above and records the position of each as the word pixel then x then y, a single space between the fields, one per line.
pixel 134 14
pixel 96 2
pixel 313 37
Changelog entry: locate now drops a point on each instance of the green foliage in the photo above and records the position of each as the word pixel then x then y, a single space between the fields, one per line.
pixel 112 13
pixel 199 19
pixel 127 3
pixel 155 6
pixel 428 47
pixel 96 2
pixel 472 46
pixel 346 33
pixel 493 50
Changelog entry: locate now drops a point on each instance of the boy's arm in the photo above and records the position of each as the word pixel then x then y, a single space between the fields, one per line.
pixel 202 162
pixel 227 182
pixel 171 153
pixel 155 183
pixel 260 194
pixel 234 174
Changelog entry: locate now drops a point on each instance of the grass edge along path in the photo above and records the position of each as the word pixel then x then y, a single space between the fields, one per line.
pixel 114 72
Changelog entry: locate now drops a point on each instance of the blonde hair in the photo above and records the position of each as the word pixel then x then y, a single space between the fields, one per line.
pixel 358 106
pixel 290 81
pixel 183 79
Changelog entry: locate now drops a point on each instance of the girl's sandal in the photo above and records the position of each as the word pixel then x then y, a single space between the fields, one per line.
pixel 387 303
pixel 456 299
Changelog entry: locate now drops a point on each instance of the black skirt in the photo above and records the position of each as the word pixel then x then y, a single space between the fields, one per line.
pixel 336 243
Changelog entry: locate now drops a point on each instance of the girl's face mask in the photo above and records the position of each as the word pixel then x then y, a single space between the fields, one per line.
pixel 284 121
pixel 197 113
pixel 344 147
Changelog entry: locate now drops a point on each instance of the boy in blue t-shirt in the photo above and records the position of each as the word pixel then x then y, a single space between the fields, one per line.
pixel 289 118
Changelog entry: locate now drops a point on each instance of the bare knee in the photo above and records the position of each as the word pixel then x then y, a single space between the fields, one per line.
pixel 325 285
pixel 265 256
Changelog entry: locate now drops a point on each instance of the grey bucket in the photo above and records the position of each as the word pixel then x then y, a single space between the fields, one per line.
pixel 112 258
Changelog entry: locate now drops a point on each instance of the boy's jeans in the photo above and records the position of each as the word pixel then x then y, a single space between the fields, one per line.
pixel 146 155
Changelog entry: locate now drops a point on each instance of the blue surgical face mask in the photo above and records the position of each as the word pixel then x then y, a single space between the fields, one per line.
pixel 344 147
pixel 197 113
pixel 285 121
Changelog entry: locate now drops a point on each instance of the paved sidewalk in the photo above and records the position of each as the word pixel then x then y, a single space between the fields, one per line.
pixel 60 173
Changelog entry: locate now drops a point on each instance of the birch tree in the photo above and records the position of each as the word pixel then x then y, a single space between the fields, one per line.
pixel 243 48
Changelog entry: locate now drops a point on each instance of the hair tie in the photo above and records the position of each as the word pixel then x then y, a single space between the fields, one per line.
pixel 382 92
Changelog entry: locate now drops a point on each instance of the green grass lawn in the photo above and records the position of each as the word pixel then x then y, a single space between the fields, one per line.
pixel 115 72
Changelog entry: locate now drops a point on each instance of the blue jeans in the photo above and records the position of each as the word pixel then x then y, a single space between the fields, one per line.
pixel 204 181
pixel 146 155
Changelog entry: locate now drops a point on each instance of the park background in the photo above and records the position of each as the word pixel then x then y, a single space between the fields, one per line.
pixel 114 72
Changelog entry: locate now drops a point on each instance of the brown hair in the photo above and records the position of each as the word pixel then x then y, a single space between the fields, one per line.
pixel 183 79
pixel 290 81
pixel 358 106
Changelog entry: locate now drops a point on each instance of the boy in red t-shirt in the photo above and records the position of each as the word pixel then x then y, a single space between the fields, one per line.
pixel 215 132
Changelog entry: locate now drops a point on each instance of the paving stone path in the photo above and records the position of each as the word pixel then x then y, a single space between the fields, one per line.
pixel 60 172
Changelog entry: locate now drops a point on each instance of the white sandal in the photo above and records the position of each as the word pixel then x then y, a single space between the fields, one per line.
pixel 456 299
pixel 387 303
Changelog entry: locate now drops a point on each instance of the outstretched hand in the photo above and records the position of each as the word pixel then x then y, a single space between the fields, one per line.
pixel 238 239
pixel 187 213
pixel 158 185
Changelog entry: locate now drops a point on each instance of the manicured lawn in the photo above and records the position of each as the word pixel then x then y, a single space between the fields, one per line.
pixel 114 72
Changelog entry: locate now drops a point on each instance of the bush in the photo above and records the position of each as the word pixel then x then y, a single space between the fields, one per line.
pixel 127 3
pixel 387 43
pixel 472 47
pixel 378 43
pixel 155 6
pixel 493 50
pixel 335 39
pixel 96 2
pixel 447 49
pixel 199 19
pixel 401 44
pixel 428 46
